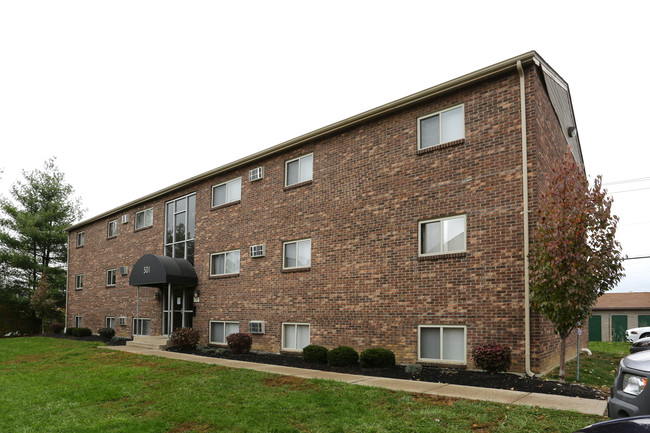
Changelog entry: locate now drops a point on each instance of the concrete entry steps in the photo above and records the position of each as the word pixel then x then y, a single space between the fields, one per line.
pixel 149 342
pixel 582 405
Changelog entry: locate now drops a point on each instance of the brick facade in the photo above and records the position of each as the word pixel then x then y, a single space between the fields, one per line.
pixel 366 286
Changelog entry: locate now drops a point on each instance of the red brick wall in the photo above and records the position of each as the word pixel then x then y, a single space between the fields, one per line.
pixel 366 286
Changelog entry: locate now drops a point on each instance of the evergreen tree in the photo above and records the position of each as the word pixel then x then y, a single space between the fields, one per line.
pixel 32 236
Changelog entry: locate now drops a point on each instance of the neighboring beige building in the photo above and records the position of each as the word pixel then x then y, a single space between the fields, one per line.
pixel 616 312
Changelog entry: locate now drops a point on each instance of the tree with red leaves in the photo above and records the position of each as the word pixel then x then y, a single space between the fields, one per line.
pixel 574 256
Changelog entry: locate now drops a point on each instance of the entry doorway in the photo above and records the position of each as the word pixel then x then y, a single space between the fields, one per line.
pixel 178 308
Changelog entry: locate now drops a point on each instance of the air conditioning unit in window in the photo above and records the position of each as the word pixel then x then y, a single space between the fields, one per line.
pixel 124 270
pixel 122 321
pixel 256 174
pixel 256 327
pixel 258 250
pixel 125 219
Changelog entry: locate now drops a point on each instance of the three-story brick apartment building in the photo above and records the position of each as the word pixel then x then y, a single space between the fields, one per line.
pixel 403 227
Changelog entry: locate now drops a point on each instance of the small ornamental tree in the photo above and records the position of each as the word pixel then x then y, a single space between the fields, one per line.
pixel 43 302
pixel 574 255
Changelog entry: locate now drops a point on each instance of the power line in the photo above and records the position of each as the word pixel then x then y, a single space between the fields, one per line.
pixel 627 190
pixel 618 182
pixel 635 258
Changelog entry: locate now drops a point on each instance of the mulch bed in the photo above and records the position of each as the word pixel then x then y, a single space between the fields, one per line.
pixel 455 376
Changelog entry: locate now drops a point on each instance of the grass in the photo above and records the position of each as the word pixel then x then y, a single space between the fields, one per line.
pixel 599 369
pixel 57 385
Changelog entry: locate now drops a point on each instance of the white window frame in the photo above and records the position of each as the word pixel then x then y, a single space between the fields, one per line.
pixel 111 282
pixel 439 114
pixel 442 328
pixel 144 213
pixel 77 321
pixel 81 238
pixel 225 271
pixel 108 322
pixel 295 343
pixel 299 159
pixel 224 322
pixel 284 253
pixel 114 225
pixel 442 225
pixel 140 325
pixel 79 281
pixel 227 186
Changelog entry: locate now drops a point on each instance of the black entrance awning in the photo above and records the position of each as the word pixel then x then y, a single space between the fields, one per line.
pixel 158 271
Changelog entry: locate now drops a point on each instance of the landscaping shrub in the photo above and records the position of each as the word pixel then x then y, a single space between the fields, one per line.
pixel 56 327
pixel 186 338
pixel 239 342
pixel 377 358
pixel 79 332
pixel 315 354
pixel 492 357
pixel 342 356
pixel 106 333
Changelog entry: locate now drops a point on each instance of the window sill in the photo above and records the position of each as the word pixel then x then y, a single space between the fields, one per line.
pixel 298 185
pixel 293 270
pixel 111 287
pixel 142 229
pixel 221 206
pixel 441 363
pixel 78 289
pixel 220 277
pixel 441 146
pixel 80 246
pixel 443 256
pixel 111 237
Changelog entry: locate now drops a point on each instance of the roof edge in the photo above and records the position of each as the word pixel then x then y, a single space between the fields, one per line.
pixel 456 83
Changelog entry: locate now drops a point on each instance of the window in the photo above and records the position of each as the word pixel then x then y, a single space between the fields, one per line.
pixel 295 336
pixel 226 192
pixel 179 227
pixel 141 326
pixel 442 343
pixel 220 330
pixel 112 229
pixel 110 277
pixel 80 239
pixel 299 170
pixel 297 254
pixel 225 263
pixel 79 281
pixel 442 236
pixel 110 322
pixel 77 321
pixel 144 218
pixel 441 127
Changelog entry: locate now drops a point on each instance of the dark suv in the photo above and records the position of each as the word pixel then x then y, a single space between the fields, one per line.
pixel 629 396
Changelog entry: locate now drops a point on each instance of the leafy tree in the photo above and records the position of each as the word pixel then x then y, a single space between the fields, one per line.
pixel 575 256
pixel 32 236
pixel 43 302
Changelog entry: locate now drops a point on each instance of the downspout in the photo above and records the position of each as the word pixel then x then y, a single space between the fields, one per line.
pixel 524 169
pixel 67 285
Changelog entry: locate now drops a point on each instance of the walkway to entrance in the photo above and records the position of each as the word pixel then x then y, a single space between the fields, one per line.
pixel 582 405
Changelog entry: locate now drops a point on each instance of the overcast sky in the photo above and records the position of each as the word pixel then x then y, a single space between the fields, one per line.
pixel 133 96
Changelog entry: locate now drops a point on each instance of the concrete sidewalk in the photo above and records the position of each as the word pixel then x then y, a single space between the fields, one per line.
pixel 582 405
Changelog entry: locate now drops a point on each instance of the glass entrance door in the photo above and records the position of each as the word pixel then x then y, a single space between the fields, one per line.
pixel 178 309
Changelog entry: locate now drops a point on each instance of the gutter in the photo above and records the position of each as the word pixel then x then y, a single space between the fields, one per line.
pixel 524 169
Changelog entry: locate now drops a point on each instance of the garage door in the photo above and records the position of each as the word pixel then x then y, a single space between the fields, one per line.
pixel 619 325
pixel 595 330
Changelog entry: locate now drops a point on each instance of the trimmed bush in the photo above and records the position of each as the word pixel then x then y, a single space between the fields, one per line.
pixel 492 357
pixel 56 328
pixel 315 354
pixel 106 333
pixel 239 342
pixel 79 332
pixel 377 358
pixel 186 338
pixel 342 356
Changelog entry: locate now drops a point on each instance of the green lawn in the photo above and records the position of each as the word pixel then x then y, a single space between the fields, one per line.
pixel 56 385
pixel 598 370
